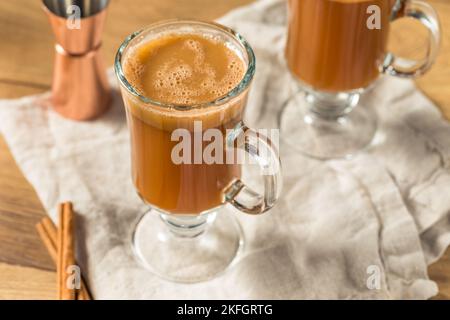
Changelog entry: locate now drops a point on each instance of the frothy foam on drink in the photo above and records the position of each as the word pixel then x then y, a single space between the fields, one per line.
pixel 184 69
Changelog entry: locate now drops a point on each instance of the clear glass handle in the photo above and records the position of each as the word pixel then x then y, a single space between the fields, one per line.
pixel 261 150
pixel 425 14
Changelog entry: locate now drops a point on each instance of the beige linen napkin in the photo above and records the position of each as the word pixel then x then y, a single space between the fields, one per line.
pixel 339 223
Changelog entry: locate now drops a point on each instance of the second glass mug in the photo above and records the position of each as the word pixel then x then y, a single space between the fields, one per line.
pixel 335 51
pixel 187 236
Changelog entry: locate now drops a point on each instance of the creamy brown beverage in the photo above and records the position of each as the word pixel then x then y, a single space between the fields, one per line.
pixel 331 48
pixel 180 69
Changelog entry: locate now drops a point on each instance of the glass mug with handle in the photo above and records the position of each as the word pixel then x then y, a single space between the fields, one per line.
pixel 184 82
pixel 335 50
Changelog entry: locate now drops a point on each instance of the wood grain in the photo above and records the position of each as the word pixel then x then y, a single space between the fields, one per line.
pixel 440 272
pixel 26 283
pixel 26 59
pixel 20 210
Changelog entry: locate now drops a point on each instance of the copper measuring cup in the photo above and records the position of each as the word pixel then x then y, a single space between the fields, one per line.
pixel 80 89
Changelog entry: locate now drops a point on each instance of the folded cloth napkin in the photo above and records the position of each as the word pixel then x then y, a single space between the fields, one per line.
pixel 361 228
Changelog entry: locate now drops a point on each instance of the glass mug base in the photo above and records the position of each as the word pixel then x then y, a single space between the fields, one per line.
pixel 326 135
pixel 187 249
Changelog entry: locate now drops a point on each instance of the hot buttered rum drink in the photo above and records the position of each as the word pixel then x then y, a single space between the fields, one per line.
pixel 180 70
pixel 337 45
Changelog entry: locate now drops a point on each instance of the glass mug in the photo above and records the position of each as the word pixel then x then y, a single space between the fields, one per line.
pixel 336 50
pixel 188 235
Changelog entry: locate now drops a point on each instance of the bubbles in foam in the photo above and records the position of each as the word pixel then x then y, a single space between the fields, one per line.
pixel 134 69
pixel 194 70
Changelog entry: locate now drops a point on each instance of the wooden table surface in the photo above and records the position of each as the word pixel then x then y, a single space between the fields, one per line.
pixel 26 60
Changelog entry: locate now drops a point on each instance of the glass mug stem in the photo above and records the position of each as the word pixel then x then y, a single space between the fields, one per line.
pixel 187 226
pixel 329 106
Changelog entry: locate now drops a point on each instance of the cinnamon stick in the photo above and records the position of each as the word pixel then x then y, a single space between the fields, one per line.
pixel 66 252
pixel 47 240
pixel 52 231
pixel 48 233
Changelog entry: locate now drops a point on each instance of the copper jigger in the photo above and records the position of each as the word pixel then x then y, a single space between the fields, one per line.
pixel 80 89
